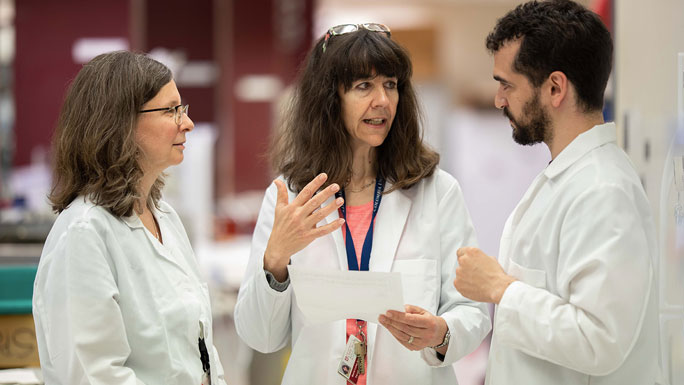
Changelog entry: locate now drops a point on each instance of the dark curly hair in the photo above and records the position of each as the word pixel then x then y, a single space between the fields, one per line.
pixel 313 138
pixel 95 151
pixel 559 35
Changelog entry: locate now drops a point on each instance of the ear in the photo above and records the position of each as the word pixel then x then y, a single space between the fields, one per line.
pixel 559 88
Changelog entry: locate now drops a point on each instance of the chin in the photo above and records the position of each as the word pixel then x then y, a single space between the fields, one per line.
pixel 177 161
pixel 377 140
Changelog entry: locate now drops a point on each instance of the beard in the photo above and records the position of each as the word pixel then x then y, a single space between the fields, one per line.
pixel 536 128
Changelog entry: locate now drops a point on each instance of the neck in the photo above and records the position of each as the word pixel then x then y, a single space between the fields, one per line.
pixel 566 130
pixel 144 188
pixel 363 165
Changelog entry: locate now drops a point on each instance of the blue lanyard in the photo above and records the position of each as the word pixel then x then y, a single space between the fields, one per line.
pixel 368 242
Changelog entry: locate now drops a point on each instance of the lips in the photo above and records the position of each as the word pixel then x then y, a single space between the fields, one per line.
pixel 375 121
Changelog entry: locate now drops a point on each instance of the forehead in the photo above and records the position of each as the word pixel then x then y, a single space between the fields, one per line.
pixel 504 57
pixel 168 92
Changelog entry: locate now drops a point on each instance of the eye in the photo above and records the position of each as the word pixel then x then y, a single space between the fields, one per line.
pixel 362 85
pixel 391 84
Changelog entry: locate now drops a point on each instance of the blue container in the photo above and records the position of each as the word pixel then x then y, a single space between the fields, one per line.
pixel 16 288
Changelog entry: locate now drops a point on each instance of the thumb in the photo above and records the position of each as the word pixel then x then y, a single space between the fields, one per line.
pixel 414 309
pixel 282 199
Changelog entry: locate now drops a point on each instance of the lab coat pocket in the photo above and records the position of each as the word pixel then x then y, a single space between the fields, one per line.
pixel 419 282
pixel 533 277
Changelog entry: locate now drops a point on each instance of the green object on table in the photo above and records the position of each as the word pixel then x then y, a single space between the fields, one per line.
pixel 16 288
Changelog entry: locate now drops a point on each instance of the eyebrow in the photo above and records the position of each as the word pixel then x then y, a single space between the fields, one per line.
pixel 500 79
pixel 174 104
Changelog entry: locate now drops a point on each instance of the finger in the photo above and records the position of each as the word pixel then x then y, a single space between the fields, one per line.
pixel 318 215
pixel 282 199
pixel 461 252
pixel 402 337
pixel 416 321
pixel 327 229
pixel 404 327
pixel 310 189
pixel 318 199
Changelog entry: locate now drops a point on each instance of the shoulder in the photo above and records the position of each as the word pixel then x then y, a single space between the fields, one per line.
pixel 80 219
pixel 82 213
pixel 602 183
pixel 441 182
pixel 602 172
pixel 438 186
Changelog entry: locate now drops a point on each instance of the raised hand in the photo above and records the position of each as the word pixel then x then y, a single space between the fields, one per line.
pixel 294 225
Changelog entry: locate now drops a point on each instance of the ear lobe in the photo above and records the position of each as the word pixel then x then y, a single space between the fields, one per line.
pixel 559 87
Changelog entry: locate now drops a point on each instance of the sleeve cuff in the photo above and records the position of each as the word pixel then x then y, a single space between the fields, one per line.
pixel 275 284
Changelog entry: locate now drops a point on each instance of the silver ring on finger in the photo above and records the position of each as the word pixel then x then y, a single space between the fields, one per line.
pixel 410 340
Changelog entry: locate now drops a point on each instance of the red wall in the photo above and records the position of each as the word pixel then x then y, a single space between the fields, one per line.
pixel 43 66
pixel 241 37
pixel 259 47
pixel 188 27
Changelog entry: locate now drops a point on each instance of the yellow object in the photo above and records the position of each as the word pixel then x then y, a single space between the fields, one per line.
pixel 18 346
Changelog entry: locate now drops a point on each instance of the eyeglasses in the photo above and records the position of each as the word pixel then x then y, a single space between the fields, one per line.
pixel 178 112
pixel 349 28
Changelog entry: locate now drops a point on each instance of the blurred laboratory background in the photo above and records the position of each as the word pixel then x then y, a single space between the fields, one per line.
pixel 234 62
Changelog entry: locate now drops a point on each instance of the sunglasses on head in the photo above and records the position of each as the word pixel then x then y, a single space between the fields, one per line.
pixel 349 28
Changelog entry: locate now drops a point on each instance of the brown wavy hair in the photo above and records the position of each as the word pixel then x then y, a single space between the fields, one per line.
pixel 312 137
pixel 96 154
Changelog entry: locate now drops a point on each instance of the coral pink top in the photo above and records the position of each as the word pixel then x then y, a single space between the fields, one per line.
pixel 358 220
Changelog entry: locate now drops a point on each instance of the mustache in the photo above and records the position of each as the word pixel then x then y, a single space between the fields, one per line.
pixel 507 114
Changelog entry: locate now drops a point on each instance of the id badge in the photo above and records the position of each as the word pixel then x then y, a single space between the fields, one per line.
pixel 348 367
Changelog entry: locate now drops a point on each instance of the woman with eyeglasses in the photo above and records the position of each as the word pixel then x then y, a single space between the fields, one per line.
pixel 118 297
pixel 354 122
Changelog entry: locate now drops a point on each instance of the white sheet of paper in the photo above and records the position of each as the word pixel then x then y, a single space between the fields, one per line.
pixel 330 295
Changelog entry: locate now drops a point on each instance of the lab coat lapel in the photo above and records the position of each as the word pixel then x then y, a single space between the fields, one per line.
pixel 389 225
pixel 516 217
pixel 162 251
pixel 526 201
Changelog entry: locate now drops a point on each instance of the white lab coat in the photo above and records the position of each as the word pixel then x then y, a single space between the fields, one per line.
pixel 583 246
pixel 417 232
pixel 114 306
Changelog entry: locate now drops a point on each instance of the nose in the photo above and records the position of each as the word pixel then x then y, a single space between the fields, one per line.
pixel 186 123
pixel 499 100
pixel 380 98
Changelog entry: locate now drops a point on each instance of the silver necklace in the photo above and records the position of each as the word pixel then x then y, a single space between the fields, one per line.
pixel 361 188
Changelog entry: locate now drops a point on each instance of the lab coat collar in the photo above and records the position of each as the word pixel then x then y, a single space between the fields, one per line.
pixel 133 221
pixel 595 137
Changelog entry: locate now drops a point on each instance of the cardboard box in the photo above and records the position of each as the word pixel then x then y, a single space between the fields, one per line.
pixel 18 346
